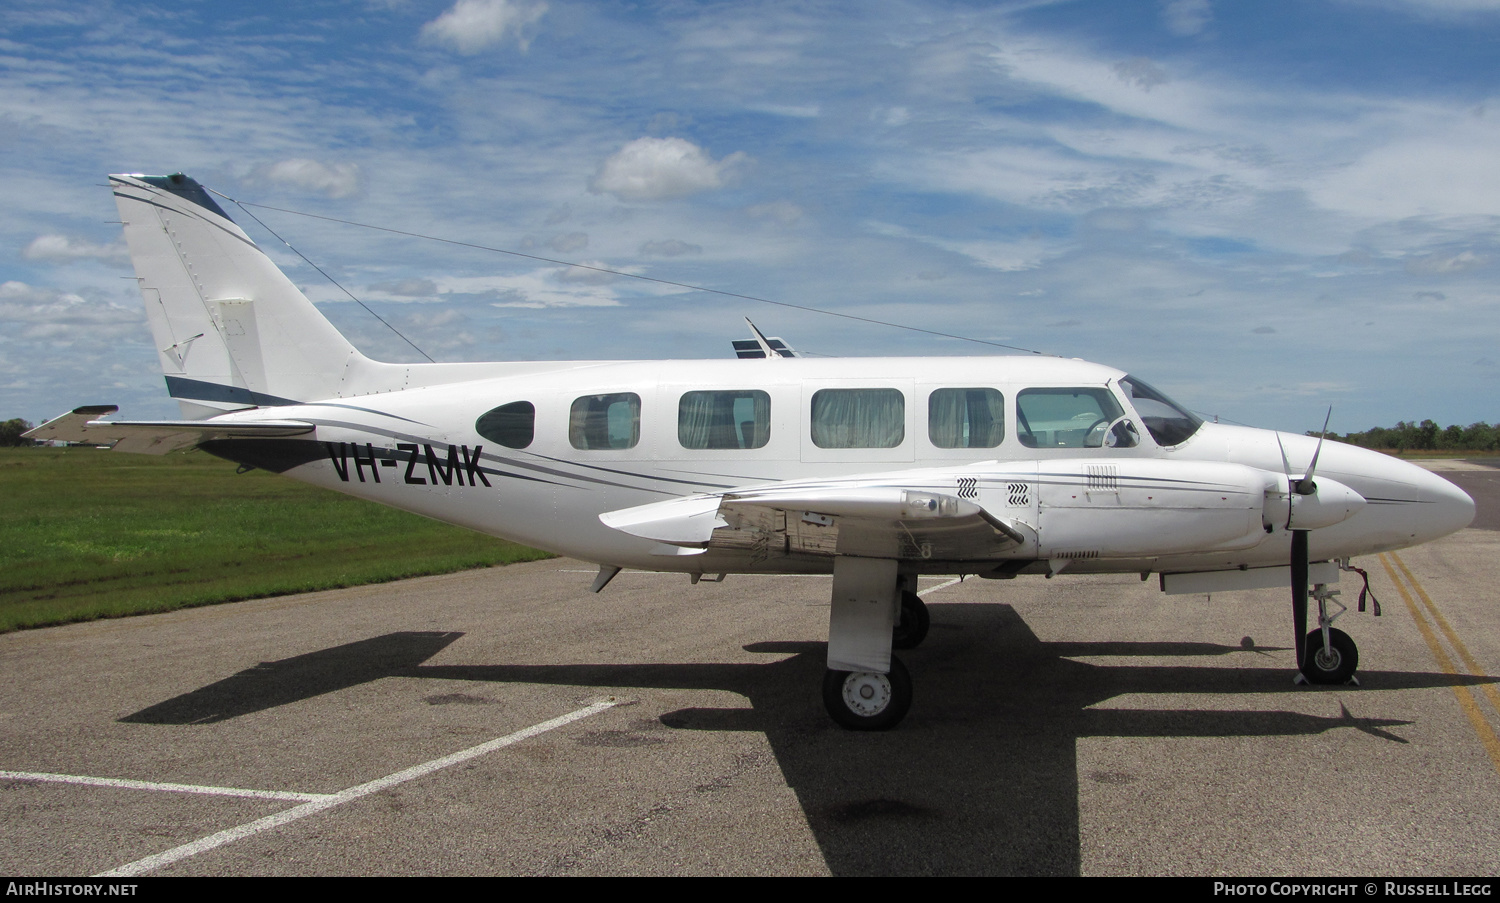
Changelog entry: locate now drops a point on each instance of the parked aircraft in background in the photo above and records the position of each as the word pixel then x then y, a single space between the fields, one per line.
pixel 876 470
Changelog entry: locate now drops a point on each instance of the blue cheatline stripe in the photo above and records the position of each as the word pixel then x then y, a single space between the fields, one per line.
pixel 198 390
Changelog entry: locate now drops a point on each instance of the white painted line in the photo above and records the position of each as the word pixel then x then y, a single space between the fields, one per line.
pixel 141 866
pixel 944 585
pixel 156 785
pixel 683 574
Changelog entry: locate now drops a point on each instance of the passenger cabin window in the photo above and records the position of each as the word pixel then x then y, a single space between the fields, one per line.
pixel 858 418
pixel 1070 418
pixel 1168 422
pixel 512 425
pixel 966 418
pixel 605 421
pixel 733 419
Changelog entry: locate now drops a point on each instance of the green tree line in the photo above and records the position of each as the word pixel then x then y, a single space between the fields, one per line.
pixel 10 433
pixel 1427 436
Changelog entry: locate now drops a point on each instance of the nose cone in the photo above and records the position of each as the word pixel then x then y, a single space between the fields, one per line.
pixel 1412 504
pixel 1453 508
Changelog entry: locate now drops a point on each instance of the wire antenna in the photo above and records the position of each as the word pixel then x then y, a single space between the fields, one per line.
pixel 325 274
pixel 598 269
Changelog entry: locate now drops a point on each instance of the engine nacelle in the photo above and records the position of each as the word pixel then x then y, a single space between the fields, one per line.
pixel 1146 508
pixel 1330 502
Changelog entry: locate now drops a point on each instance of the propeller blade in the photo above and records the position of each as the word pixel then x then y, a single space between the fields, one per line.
pixel 1299 590
pixel 1306 486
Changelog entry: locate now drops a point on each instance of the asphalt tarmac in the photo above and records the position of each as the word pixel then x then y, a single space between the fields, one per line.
pixel 1083 725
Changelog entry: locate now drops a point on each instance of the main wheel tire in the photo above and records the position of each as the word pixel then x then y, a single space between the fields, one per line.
pixel 1334 665
pixel 868 700
pixel 912 622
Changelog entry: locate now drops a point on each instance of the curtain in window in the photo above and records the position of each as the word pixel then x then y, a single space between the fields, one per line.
pixel 734 419
pixel 966 418
pixel 858 418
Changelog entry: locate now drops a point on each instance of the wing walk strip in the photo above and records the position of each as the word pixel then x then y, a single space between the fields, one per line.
pixel 314 802
pixel 1466 700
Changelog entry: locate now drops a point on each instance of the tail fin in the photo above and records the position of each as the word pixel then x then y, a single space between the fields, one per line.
pixel 231 330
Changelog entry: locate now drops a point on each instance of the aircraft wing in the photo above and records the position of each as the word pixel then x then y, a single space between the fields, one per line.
pixel 156 437
pixel 882 521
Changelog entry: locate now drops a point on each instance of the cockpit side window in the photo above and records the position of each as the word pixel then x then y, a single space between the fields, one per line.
pixel 1168 422
pixel 512 425
pixel 1067 418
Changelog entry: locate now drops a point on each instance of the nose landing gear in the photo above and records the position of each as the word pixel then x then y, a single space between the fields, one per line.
pixel 1329 655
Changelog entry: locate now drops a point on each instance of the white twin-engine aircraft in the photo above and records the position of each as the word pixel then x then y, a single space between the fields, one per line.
pixel 877 470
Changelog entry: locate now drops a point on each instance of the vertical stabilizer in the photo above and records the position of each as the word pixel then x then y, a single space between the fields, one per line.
pixel 231 330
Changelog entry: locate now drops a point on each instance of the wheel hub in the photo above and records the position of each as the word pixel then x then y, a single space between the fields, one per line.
pixel 867 693
pixel 1327 659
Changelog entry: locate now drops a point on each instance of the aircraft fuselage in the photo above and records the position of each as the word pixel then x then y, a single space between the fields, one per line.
pixel 421 450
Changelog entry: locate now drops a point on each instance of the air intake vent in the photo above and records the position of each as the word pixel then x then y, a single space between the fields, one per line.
pixel 1103 478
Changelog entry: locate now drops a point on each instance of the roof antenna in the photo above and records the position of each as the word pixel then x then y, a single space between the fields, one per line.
pixel 760 346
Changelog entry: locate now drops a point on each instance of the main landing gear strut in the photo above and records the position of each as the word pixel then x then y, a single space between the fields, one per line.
pixel 874 610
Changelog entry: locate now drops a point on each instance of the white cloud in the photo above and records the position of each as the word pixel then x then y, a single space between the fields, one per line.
pixel 670 248
pixel 407 288
pixel 1449 171
pixel 63 248
pixel 541 288
pixel 796 111
pixel 1442 9
pixel 1141 72
pixel 337 181
pixel 784 212
pixel 1444 264
pixel 37 312
pixel 1186 17
pixel 570 242
pixel 652 169
pixel 472 25
pixel 591 273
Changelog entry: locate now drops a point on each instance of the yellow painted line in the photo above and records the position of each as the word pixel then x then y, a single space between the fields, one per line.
pixel 1466 700
pixel 1453 640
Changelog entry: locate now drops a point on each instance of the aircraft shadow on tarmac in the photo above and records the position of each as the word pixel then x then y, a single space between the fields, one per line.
pixel 981 778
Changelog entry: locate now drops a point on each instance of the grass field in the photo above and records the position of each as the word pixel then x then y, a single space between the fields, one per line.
pixel 89 534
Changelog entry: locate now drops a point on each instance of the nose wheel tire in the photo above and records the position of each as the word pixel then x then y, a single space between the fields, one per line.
pixel 912 622
pixel 868 700
pixel 1334 665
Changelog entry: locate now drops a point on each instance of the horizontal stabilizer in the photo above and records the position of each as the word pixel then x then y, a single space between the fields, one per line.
pixel 156 437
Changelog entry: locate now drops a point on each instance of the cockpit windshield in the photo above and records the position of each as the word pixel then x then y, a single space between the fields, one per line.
pixel 1167 422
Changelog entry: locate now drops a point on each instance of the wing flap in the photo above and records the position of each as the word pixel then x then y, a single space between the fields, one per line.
pixel 874 521
pixel 156 437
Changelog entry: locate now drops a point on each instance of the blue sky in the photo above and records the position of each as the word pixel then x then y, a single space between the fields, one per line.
pixel 1262 208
